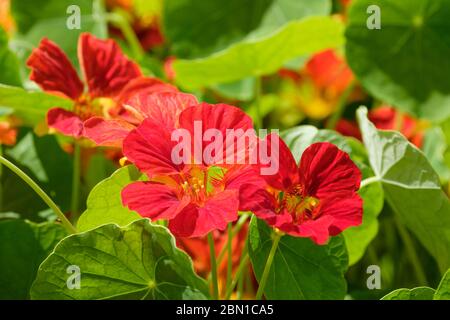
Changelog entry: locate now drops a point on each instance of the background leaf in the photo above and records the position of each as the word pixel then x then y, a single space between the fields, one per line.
pixel 9 64
pixel 198 28
pixel 260 56
pixel 23 246
pixel 30 106
pixel 139 261
pixel 300 269
pixel 406 62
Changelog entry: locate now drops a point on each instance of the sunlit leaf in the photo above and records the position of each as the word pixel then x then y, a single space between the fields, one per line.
pixel 139 261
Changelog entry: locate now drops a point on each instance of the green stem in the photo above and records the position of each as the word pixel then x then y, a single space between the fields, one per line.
pixel 120 22
pixel 76 176
pixel 337 114
pixel 66 223
pixel 242 266
pixel 265 274
pixel 414 259
pixel 258 92
pixel 230 254
pixel 212 252
pixel 238 226
pixel 368 181
pixel 1 180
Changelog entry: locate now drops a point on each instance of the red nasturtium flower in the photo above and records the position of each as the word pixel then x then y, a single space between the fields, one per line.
pixel 107 73
pixel 160 102
pixel 315 199
pixel 194 198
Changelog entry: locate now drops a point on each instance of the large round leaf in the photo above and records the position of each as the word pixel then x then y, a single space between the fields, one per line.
pixel 300 269
pixel 411 187
pixel 139 261
pixel 405 63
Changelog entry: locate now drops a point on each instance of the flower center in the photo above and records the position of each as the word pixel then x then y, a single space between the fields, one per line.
pixel 195 188
pixel 301 207
pixel 86 107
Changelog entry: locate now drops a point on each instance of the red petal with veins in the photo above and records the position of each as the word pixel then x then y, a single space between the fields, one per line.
pixel 287 172
pixel 53 72
pixel 220 117
pixel 163 108
pixel 144 85
pixel 107 132
pixel 106 69
pixel 152 200
pixel 217 212
pixel 65 122
pixel 326 171
pixel 150 147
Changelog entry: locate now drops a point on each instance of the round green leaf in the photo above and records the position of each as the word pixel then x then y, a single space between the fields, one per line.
pixel 405 63
pixel 420 293
pixel 443 290
pixel 300 269
pixel 139 261
pixel 411 187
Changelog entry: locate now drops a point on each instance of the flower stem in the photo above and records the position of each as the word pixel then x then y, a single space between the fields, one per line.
pixel 66 223
pixel 120 22
pixel 262 283
pixel 414 259
pixel 76 182
pixel 242 266
pixel 337 115
pixel 237 227
pixel 212 252
pixel 1 179
pixel 258 93
pixel 230 254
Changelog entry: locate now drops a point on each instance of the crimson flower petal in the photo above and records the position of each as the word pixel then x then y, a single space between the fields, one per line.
pixel 326 171
pixel 144 85
pixel 152 200
pixel 287 170
pixel 107 132
pixel 217 212
pixel 347 212
pixel 53 72
pixel 225 119
pixel 163 108
pixel 317 230
pixel 65 122
pixel 106 69
pixel 150 147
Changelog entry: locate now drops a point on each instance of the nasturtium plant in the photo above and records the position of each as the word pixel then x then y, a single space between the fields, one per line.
pixel 138 261
pixel 221 150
